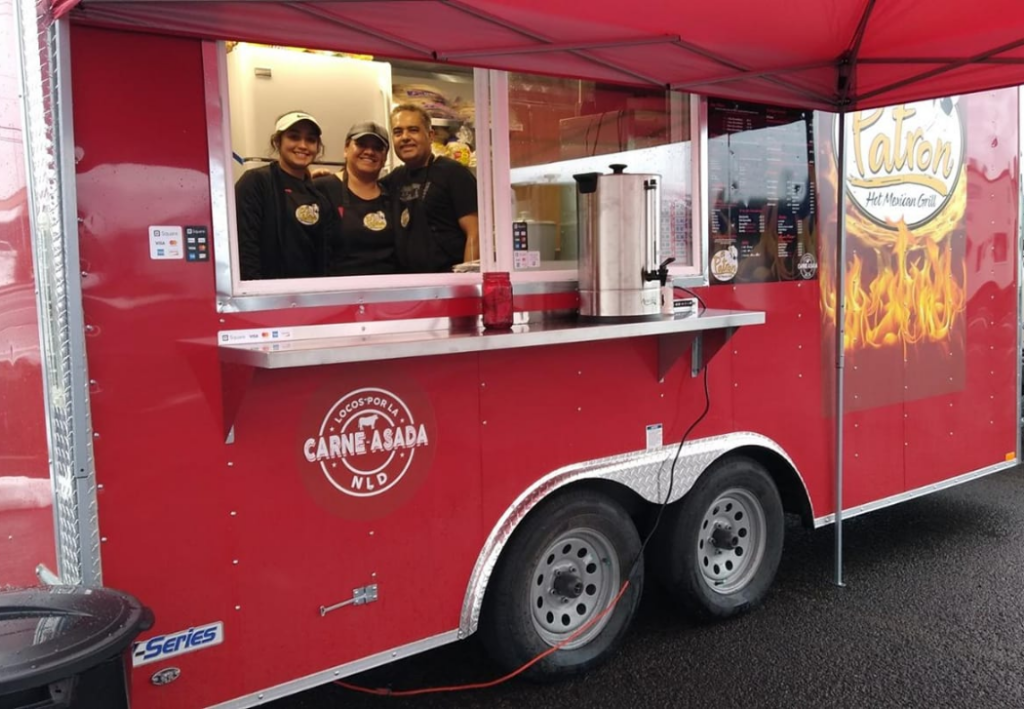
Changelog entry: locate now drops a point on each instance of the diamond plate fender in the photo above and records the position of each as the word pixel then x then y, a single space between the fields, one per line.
pixel 644 472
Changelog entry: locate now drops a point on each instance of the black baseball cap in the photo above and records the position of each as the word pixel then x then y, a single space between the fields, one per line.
pixel 368 128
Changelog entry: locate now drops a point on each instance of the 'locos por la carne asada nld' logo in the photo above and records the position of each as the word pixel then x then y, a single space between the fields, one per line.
pixel 903 162
pixel 369 453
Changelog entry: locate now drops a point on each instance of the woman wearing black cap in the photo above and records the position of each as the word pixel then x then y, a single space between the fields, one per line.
pixel 283 221
pixel 366 243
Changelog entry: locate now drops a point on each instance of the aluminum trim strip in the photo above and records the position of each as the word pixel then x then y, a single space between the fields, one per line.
pixel 644 472
pixel 918 492
pixel 701 191
pixel 462 286
pixel 84 470
pixel 426 343
pixel 50 171
pixel 218 139
pixel 335 673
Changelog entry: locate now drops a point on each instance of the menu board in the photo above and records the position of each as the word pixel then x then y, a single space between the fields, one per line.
pixel 762 192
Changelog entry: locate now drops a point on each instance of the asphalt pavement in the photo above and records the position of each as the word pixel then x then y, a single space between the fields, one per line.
pixel 931 615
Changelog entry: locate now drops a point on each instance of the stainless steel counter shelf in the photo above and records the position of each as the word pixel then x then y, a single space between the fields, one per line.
pixel 676 334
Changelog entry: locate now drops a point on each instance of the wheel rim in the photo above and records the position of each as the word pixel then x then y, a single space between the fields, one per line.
pixel 732 541
pixel 576 579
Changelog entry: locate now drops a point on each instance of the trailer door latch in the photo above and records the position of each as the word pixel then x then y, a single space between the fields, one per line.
pixel 360 596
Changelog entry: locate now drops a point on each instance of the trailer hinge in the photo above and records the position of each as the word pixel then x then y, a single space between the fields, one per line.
pixel 360 596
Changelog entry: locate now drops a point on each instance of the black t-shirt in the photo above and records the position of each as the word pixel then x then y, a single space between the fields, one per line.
pixel 365 244
pixel 282 222
pixel 431 200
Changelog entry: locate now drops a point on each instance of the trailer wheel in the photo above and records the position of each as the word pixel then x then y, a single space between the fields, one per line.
pixel 561 569
pixel 718 549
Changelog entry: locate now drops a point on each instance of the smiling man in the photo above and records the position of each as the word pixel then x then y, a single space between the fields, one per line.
pixel 365 243
pixel 437 208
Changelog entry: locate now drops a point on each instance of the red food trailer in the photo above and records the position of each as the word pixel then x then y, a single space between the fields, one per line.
pixel 305 479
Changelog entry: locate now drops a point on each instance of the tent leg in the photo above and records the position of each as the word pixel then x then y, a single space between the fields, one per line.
pixel 840 344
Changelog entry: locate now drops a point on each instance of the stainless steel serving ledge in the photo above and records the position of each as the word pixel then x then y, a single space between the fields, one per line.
pixel 676 334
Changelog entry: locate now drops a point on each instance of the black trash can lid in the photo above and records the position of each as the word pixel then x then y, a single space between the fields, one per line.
pixel 54 632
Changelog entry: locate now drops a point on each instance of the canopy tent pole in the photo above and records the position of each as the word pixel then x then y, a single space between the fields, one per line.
pixel 840 339
pixel 966 61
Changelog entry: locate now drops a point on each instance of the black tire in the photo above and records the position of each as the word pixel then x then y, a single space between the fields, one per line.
pixel 715 565
pixel 524 614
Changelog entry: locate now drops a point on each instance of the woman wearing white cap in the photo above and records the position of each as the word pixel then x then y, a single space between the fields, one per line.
pixel 366 244
pixel 284 222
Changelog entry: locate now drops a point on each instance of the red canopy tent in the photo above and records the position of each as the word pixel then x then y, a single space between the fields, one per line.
pixel 821 54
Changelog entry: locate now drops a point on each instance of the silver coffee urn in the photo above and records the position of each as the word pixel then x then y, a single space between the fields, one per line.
pixel 619 226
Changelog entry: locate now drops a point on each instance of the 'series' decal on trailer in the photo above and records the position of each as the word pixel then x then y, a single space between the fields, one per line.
pixel 368 451
pixel 163 647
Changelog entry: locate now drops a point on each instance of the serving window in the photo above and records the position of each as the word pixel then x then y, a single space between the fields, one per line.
pixel 257 84
pixel 523 137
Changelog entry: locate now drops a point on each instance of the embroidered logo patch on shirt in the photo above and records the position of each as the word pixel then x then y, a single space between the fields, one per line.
pixel 308 214
pixel 375 221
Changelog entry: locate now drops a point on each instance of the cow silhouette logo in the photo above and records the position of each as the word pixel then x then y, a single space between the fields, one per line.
pixel 367 442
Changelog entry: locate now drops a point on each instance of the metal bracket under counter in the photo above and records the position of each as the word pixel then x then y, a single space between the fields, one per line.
pixel 344 343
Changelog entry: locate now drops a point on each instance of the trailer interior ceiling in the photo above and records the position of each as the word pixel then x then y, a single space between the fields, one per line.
pixel 821 54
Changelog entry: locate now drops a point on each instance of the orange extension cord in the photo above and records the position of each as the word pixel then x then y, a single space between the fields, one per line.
pixel 381 692
pixel 494 682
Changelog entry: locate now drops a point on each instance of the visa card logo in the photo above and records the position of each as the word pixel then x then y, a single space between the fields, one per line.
pixel 162 647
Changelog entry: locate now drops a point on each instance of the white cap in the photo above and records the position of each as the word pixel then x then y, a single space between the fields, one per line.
pixel 289 119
